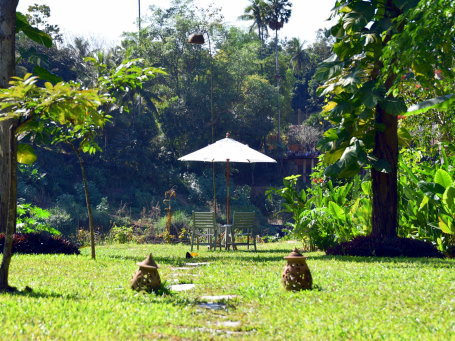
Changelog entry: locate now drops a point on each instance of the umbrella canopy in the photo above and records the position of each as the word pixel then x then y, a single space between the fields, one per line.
pixel 226 150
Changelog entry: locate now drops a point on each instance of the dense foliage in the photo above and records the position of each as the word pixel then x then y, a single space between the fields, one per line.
pixel 149 127
pixel 330 212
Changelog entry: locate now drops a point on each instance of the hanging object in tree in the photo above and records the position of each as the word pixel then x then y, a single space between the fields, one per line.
pixel 296 275
pixel 196 38
pixel 146 277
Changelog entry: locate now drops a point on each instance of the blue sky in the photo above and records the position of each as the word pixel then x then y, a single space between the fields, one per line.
pixel 105 20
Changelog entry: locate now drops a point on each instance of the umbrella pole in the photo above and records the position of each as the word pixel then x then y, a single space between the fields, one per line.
pixel 214 188
pixel 228 203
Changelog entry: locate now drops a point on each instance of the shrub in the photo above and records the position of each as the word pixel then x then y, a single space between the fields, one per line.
pixel 366 246
pixel 180 220
pixel 121 234
pixel 33 219
pixel 325 213
pixel 60 219
pixel 40 243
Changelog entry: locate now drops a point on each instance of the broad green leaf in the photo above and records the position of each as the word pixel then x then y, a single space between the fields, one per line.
pixel 430 188
pixel 404 137
pixel 44 74
pixel 424 202
pixel 394 106
pixel 331 134
pixel 333 156
pixel 448 199
pixel 369 94
pixel 442 103
pixel 31 32
pixel 336 211
pixel 26 154
pixel 443 178
pixel 366 187
pixel 349 163
pixel 446 224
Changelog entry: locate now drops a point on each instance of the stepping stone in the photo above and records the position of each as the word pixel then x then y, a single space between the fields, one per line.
pixel 182 287
pixel 197 264
pixel 212 306
pixel 220 331
pixel 233 324
pixel 182 268
pixel 218 298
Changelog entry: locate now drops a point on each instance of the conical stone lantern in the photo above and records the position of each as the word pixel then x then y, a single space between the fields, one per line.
pixel 146 278
pixel 296 274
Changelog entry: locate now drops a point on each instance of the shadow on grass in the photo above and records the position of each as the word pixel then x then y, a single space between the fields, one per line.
pixel 173 260
pixel 278 254
pixel 28 292
pixel 396 261
pixel 281 251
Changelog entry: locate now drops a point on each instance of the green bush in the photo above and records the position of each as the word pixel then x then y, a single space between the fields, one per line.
pixel 427 198
pixel 121 234
pixel 180 221
pixel 329 213
pixel 33 219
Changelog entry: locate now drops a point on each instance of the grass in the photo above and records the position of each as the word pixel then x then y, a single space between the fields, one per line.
pixel 75 298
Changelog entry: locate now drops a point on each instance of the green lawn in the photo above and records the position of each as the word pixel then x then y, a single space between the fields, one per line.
pixel 75 298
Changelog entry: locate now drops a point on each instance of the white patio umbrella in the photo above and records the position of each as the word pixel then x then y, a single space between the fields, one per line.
pixel 227 150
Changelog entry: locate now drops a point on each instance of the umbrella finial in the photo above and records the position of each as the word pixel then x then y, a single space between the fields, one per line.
pixel 228 134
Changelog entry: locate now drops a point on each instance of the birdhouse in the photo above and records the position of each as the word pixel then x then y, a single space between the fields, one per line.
pixel 296 274
pixel 146 278
pixel 196 38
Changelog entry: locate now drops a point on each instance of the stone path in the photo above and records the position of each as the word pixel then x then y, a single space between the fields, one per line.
pixel 182 287
pixel 218 298
pixel 182 268
pixel 197 264
pixel 211 302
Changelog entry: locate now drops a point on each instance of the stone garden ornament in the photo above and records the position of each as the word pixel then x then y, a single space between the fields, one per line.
pixel 146 278
pixel 296 274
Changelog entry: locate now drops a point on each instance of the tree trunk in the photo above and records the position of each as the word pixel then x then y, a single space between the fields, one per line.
pixel 87 201
pixel 7 40
pixel 8 149
pixel 8 190
pixel 278 89
pixel 385 187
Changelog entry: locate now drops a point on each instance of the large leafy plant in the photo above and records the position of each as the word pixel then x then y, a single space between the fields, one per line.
pixel 33 219
pixel 325 213
pixel 427 198
pixel 376 44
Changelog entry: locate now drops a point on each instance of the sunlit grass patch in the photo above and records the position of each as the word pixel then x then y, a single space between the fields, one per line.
pixel 74 297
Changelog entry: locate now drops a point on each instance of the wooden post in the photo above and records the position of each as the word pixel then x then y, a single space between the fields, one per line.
pixel 228 199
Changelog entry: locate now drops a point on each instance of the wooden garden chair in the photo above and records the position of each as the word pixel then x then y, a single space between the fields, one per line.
pixel 205 230
pixel 244 225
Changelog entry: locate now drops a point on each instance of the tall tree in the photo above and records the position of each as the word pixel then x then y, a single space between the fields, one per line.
pixel 299 57
pixel 256 11
pixel 299 60
pixel 362 82
pixel 278 13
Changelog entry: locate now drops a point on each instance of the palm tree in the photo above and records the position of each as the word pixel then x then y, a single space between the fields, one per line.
pixel 256 12
pixel 278 13
pixel 299 61
pixel 299 57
